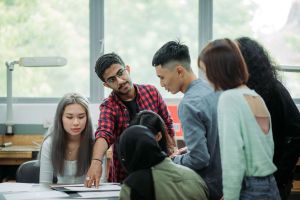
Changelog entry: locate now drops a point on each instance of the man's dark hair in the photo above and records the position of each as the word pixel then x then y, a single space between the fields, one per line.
pixel 172 51
pixel 105 61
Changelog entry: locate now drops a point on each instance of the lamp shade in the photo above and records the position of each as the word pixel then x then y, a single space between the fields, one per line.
pixel 42 61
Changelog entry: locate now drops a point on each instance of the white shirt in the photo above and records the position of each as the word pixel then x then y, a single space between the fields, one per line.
pixel 46 167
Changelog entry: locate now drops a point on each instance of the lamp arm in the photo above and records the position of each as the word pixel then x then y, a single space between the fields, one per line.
pixel 10 66
pixel 9 101
pixel 25 62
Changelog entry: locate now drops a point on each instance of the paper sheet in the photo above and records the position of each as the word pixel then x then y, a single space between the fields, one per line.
pixel 34 195
pixel 15 187
pixel 101 188
pixel 82 188
pixel 99 194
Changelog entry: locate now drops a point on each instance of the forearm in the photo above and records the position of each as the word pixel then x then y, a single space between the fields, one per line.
pixel 46 173
pixel 100 148
pixel 232 183
pixel 193 159
pixel 46 168
pixel 95 171
pixel 173 141
pixel 197 156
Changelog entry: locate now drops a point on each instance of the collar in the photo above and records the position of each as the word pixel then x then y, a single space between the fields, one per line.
pixel 194 82
pixel 119 100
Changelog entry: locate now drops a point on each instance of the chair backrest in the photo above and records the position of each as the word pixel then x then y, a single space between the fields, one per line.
pixel 28 172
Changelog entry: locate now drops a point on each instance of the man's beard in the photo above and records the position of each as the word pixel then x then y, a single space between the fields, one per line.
pixel 119 91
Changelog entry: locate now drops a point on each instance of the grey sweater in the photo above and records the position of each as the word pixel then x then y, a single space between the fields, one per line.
pixel 198 116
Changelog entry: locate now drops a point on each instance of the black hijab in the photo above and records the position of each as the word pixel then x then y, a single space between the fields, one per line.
pixel 138 152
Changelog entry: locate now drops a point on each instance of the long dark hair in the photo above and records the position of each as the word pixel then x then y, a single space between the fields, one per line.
pixel 262 69
pixel 155 123
pixel 59 139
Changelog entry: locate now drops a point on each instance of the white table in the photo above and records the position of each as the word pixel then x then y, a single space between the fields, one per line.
pixel 22 191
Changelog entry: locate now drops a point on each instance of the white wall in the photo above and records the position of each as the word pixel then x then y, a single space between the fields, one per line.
pixel 41 113
pixel 38 113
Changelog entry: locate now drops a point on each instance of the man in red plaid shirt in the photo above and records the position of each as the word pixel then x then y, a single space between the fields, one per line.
pixel 125 100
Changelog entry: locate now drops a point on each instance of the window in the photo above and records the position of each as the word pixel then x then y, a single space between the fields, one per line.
pixel 45 28
pixel 277 29
pixel 136 29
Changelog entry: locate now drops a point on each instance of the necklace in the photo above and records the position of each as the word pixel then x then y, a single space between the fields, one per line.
pixel 70 151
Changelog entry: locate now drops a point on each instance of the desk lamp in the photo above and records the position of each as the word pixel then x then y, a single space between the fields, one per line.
pixel 25 62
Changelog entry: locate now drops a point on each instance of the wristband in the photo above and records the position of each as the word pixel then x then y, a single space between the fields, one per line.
pixel 98 160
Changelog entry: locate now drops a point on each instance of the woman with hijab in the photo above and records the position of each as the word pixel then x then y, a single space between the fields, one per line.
pixel 152 175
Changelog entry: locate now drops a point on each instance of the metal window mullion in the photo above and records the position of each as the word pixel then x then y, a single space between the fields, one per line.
pixel 96 47
pixel 291 68
pixel 205 22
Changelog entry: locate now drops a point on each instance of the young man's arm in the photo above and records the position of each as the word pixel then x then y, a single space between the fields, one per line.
pixel 194 130
pixel 95 171
pixel 104 138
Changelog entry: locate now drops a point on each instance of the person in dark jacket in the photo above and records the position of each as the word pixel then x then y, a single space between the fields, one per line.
pixel 284 113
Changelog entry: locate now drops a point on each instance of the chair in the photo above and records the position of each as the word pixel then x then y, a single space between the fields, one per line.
pixel 28 172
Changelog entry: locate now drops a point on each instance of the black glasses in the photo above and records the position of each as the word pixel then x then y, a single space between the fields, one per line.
pixel 119 74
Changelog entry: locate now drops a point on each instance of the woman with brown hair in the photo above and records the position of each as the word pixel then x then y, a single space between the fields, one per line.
pixel 244 125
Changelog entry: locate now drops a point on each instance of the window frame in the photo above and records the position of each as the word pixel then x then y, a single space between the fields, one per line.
pixel 293 69
pixel 96 21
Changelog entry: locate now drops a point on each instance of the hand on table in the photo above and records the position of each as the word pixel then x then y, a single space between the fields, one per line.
pixel 94 174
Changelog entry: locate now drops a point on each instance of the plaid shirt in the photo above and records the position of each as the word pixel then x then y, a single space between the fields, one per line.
pixel 114 118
